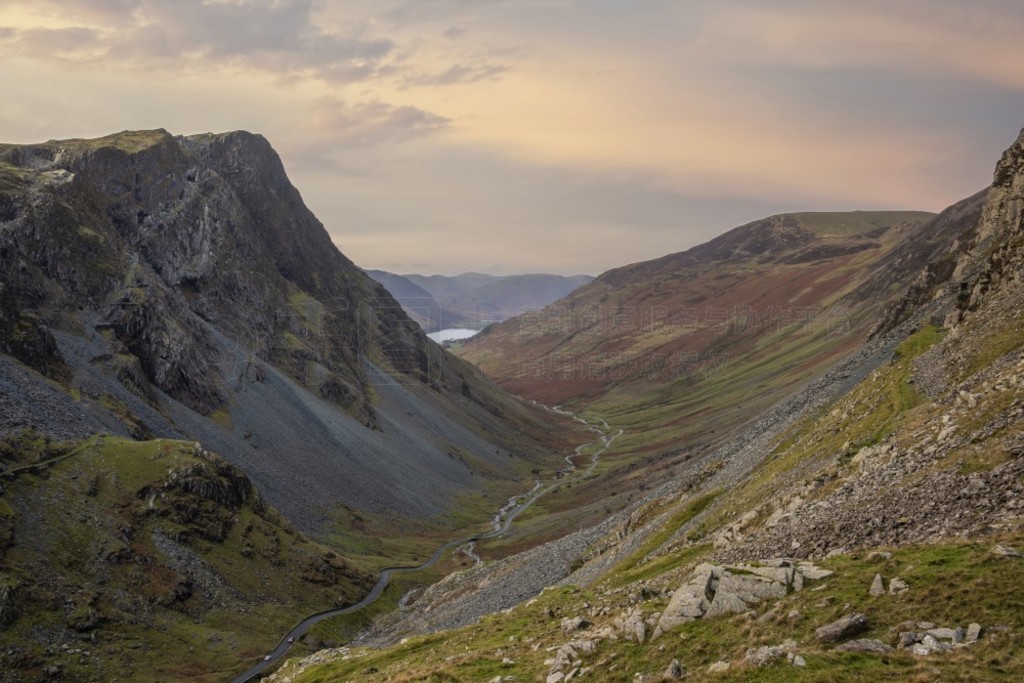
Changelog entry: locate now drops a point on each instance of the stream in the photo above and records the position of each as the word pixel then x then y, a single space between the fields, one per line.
pixel 501 523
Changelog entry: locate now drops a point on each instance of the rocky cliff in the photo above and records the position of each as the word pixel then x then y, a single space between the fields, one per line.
pixel 182 280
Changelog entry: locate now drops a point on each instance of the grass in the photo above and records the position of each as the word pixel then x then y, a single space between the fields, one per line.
pixel 1006 338
pixel 86 533
pixel 638 566
pixel 951 584
pixel 848 223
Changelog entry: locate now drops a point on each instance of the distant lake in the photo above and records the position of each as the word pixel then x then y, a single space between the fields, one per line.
pixel 452 334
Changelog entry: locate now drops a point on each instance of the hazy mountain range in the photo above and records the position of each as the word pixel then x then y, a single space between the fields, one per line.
pixel 474 299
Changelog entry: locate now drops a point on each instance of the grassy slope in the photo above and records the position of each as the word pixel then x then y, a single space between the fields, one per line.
pixel 987 590
pixel 953 583
pixel 90 563
pixel 732 368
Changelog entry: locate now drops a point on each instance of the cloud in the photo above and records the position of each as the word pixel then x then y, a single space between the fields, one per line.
pixel 371 123
pixel 457 73
pixel 937 39
pixel 280 36
pixel 72 44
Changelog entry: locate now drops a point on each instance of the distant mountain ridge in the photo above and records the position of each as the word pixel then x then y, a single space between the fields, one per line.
pixel 474 299
pixel 747 316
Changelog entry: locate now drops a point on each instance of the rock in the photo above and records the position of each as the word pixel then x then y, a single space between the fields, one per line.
pixel 813 573
pixel 782 575
pixel 879 555
pixel 1006 551
pixel 907 639
pixel 794 615
pixel 877 587
pixel 898 586
pixel 556 677
pixel 799 661
pixel 584 646
pixel 570 624
pixel 726 603
pixel 843 628
pixel 973 633
pixel 943 634
pixel 718 667
pixel 764 655
pixel 674 672
pixel 919 650
pixel 633 626
pixel 869 645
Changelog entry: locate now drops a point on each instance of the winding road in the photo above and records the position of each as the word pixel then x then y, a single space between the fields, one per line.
pixel 502 521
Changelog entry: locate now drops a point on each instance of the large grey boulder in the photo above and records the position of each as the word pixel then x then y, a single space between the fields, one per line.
pixel 714 590
pixel 843 628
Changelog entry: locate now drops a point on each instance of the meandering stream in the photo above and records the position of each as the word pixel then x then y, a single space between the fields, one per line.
pixel 501 523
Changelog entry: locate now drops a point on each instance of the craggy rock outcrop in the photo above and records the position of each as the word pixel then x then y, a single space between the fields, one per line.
pixel 715 590
pixel 178 287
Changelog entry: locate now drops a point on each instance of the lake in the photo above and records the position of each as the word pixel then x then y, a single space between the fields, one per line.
pixel 452 334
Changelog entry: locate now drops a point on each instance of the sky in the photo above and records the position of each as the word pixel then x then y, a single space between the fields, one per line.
pixel 564 136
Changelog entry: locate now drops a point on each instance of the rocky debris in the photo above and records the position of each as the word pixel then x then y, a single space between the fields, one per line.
pixel 715 590
pixel 768 654
pixel 877 587
pixel 570 624
pixel 632 625
pixel 842 628
pixel 898 586
pixel 764 655
pixel 674 672
pixel 930 639
pixel 1006 551
pixel 902 491
pixel 868 645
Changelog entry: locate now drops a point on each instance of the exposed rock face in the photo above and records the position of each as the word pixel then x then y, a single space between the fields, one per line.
pixel 164 280
pixel 718 590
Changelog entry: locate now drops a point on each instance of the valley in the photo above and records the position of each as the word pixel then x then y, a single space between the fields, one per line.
pixel 213 452
pixel 511 342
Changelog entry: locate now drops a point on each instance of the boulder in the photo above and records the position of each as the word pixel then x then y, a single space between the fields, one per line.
pixel 811 572
pixel 570 624
pixel 869 645
pixel 842 629
pixel 764 655
pixel 674 672
pixel 877 587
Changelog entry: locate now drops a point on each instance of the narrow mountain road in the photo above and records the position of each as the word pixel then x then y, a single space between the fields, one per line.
pixel 502 521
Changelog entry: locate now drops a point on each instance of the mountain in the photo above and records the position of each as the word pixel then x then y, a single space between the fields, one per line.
pixel 418 303
pixel 484 298
pixel 674 346
pixel 175 294
pixel 867 527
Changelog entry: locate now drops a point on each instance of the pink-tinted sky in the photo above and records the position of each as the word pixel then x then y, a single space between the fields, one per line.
pixel 543 135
